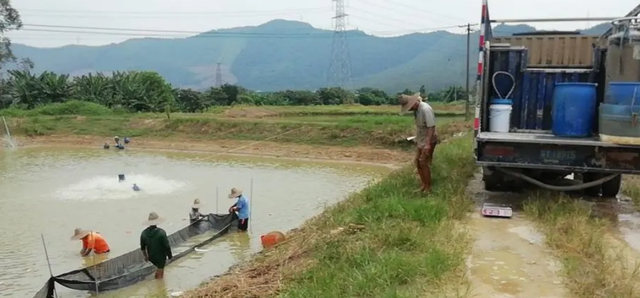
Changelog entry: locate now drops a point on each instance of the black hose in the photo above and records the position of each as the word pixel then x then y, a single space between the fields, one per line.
pixel 559 188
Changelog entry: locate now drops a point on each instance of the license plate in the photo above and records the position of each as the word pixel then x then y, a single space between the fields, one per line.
pixel 497 211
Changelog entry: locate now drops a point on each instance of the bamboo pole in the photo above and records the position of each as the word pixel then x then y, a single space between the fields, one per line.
pixel 251 205
pixel 46 254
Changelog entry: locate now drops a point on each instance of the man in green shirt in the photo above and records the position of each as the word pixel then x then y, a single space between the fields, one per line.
pixel 154 244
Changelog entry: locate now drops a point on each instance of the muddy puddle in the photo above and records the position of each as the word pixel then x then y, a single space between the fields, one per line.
pixel 51 192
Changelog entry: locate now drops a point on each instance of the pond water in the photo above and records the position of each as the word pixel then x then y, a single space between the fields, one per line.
pixel 52 191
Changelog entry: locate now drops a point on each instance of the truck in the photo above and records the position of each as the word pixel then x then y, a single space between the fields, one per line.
pixel 529 153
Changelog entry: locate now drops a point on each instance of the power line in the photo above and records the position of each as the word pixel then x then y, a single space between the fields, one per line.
pixel 397 21
pixel 169 34
pixel 28 27
pixel 419 14
pixel 155 34
pixel 340 64
pixel 422 10
pixel 170 16
pixel 327 35
pixel 171 13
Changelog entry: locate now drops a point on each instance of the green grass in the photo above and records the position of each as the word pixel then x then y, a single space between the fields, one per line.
pixel 344 130
pixel 410 245
pixel 631 188
pixel 593 266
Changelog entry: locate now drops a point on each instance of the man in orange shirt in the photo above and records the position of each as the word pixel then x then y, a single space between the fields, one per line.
pixel 91 241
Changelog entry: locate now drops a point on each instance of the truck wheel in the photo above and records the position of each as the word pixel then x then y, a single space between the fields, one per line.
pixel 492 185
pixel 590 177
pixel 494 181
pixel 611 188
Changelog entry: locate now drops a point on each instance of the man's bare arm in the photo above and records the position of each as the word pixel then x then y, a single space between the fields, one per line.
pixel 87 252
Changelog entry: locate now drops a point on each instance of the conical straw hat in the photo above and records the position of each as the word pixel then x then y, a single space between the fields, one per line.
pixel 235 192
pixel 153 219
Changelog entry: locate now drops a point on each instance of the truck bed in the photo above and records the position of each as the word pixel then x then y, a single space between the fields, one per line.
pixel 543 138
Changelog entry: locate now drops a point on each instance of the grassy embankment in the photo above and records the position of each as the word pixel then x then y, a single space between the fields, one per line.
pixel 411 246
pixel 334 125
pixel 594 266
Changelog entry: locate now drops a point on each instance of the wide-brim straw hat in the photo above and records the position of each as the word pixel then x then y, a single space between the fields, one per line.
pixel 235 192
pixel 196 204
pixel 407 101
pixel 79 233
pixel 153 219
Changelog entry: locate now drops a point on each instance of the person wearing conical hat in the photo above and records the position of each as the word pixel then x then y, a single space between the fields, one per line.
pixel 154 244
pixel 426 136
pixel 194 214
pixel 91 242
pixel 241 207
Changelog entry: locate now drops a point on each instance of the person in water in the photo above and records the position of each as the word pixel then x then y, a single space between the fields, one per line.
pixel 241 207
pixel 118 144
pixel 136 187
pixel 195 214
pixel 126 140
pixel 91 242
pixel 154 244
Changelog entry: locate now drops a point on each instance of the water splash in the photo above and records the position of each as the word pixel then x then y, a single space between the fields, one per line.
pixel 109 188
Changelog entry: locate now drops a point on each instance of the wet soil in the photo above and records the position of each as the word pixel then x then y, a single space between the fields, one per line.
pixel 509 257
pixel 391 158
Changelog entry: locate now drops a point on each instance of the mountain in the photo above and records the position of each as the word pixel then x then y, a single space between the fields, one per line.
pixel 277 55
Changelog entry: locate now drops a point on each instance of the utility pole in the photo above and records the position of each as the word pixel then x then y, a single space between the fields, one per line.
pixel 218 83
pixel 340 65
pixel 467 103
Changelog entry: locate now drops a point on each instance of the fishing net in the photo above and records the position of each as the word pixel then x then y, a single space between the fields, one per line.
pixel 131 267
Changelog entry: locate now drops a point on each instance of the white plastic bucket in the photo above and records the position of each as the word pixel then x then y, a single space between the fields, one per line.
pixel 499 117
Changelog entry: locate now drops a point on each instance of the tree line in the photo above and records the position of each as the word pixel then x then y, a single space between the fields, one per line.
pixel 145 91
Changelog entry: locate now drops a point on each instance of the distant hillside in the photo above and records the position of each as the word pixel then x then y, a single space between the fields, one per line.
pixel 277 55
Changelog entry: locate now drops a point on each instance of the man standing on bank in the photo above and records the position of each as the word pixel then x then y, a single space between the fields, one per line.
pixel 154 244
pixel 426 136
pixel 241 207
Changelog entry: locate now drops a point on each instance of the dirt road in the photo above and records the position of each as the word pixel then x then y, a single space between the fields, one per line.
pixel 509 257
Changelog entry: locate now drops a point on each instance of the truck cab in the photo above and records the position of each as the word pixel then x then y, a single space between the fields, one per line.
pixel 530 73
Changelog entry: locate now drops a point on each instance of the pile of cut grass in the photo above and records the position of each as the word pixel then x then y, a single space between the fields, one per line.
pixel 411 245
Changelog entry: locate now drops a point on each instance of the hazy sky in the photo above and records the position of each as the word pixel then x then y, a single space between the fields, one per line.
pixel 378 17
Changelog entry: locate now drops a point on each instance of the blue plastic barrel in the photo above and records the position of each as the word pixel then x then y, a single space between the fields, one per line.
pixel 622 93
pixel 574 109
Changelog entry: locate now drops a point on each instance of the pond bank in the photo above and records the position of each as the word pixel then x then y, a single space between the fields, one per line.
pixel 360 154
pixel 411 244
pixel 385 132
